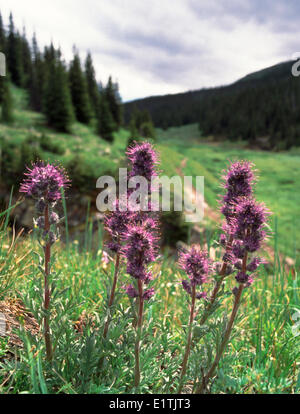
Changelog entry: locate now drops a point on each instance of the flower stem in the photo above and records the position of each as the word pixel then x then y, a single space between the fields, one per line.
pixel 112 294
pixel 137 372
pixel 202 387
pixel 217 286
pixel 189 341
pixel 49 351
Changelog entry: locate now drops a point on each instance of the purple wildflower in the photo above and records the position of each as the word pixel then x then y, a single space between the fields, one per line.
pixel 44 181
pixel 150 224
pixel 116 223
pixel 131 291
pixel 255 262
pixel 244 278
pixel 249 232
pixel 197 266
pixel 143 159
pixel 238 249
pixel 140 249
pixel 148 294
pixel 139 242
pixel 238 182
pixel 249 224
pixel 228 256
pixel 238 263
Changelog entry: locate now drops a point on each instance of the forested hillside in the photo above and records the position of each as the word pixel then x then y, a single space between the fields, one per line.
pixel 263 108
pixel 64 92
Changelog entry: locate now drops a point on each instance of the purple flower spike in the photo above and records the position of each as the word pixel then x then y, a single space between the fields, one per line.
pixel 255 262
pixel 143 159
pixel 116 223
pixel 140 249
pixel 148 294
pixel 238 182
pixel 238 249
pixel 249 223
pixel 242 277
pixel 44 181
pixel 196 264
pixel 131 291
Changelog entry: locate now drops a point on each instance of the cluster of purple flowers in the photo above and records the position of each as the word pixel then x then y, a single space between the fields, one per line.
pixel 140 249
pixel 249 233
pixel 141 238
pixel 44 183
pixel 198 266
pixel 135 234
pixel 143 159
pixel 245 222
pixel 116 224
pixel 244 231
pixel 238 182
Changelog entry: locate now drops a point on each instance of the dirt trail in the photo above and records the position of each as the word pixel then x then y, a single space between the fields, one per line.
pixel 208 211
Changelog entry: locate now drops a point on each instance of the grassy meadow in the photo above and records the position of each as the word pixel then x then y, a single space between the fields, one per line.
pixel 263 356
pixel 180 148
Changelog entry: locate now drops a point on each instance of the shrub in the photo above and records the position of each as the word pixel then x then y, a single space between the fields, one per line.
pixel 47 144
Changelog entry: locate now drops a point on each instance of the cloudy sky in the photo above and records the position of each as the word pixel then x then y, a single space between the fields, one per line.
pixel 154 47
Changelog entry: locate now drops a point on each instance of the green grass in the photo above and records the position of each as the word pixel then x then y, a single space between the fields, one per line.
pixel 262 357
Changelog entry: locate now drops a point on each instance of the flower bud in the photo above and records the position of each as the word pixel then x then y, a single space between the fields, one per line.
pixel 54 218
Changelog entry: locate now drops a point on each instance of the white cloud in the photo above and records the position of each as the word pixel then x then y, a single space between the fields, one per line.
pixel 162 46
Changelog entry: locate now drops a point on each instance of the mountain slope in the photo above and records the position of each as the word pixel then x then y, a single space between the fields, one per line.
pixel 265 103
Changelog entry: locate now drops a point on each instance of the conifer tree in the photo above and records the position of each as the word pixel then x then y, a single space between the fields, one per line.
pixel 106 124
pixel 2 50
pixel 79 93
pixel 140 125
pixel 37 79
pixel 111 93
pixel 14 54
pixel 57 99
pixel 2 36
pixel 92 87
pixel 26 60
